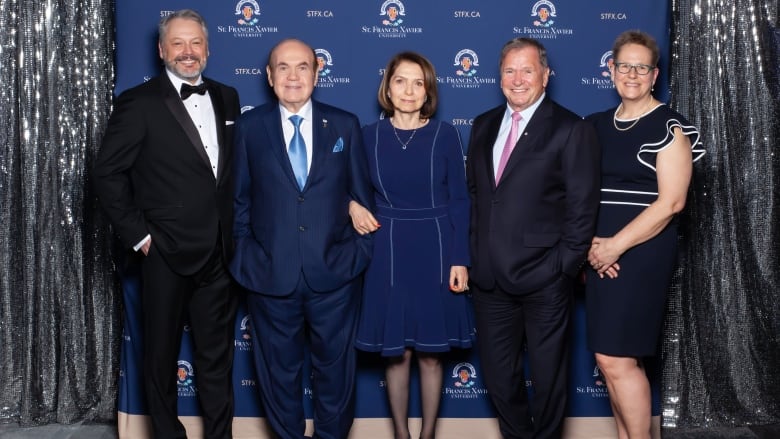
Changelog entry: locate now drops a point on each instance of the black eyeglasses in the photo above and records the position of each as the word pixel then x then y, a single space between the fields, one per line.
pixel 641 69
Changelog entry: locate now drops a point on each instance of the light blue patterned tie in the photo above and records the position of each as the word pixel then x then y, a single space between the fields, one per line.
pixel 297 152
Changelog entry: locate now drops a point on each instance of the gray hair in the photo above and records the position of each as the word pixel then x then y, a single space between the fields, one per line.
pixel 186 14
pixel 522 43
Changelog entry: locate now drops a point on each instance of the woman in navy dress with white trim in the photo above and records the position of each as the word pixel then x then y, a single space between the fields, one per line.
pixel 647 155
pixel 412 297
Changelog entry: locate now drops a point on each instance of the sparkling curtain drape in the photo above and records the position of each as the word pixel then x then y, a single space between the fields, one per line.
pixel 59 297
pixel 722 338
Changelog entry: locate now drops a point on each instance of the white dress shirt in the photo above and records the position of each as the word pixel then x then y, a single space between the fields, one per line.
pixel 202 115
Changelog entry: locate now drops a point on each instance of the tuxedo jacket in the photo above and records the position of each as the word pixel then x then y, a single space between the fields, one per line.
pixel 153 176
pixel 282 231
pixel 537 223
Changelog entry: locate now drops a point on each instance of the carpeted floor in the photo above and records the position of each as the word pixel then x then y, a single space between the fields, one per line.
pixel 754 432
pixel 104 431
pixel 59 431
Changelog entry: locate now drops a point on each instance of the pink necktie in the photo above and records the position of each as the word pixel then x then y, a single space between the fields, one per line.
pixel 509 145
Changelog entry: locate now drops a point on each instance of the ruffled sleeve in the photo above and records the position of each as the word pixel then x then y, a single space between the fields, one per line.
pixel 648 151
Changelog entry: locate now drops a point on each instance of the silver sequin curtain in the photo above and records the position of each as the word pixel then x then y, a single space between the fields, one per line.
pixel 59 330
pixel 722 337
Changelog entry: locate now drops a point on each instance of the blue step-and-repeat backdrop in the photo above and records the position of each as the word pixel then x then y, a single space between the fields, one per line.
pixel 355 39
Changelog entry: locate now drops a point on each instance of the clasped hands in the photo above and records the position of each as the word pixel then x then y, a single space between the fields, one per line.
pixel 603 257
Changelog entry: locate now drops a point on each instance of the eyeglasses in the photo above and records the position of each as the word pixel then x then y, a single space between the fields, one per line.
pixel 640 69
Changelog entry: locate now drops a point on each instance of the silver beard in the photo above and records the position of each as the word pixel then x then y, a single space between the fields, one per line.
pixel 172 66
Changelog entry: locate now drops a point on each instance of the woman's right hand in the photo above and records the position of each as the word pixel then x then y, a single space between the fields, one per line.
pixel 362 220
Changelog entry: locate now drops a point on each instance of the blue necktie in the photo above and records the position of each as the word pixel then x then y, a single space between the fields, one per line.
pixel 297 152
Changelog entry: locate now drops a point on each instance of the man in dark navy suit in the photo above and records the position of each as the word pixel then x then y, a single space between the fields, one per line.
pixel 163 175
pixel 298 165
pixel 533 174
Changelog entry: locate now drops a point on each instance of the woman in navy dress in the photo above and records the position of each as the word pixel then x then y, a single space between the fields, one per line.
pixel 647 155
pixel 412 297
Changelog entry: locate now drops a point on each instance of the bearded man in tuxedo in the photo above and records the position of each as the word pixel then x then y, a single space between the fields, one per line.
pixel 163 175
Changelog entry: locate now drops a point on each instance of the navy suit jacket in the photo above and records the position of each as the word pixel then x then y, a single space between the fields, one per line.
pixel 538 222
pixel 153 176
pixel 281 230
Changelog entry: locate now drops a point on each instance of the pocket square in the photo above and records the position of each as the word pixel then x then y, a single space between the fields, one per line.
pixel 339 146
pixel 229 122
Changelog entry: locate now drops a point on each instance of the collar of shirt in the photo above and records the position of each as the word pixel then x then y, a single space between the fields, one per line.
pixel 526 114
pixel 304 112
pixel 177 82
pixel 506 125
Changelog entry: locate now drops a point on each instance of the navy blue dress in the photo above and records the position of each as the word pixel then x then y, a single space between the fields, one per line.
pixel 423 208
pixel 624 315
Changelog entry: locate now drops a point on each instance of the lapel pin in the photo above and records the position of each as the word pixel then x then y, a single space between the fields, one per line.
pixel 324 123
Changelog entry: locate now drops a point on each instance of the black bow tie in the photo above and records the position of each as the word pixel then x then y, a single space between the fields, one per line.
pixel 187 90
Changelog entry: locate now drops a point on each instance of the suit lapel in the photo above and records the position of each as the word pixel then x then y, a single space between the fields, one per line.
pixel 493 125
pixel 273 128
pixel 320 136
pixel 219 122
pixel 176 107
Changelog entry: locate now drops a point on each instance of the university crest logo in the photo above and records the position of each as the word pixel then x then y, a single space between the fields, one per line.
pixel 595 387
pixel 326 78
pixel 543 25
pixel 603 79
pixel 249 10
pixel 465 374
pixel 245 22
pixel 606 63
pixel 465 74
pixel 598 378
pixel 467 60
pixel 394 10
pixel 184 373
pixel 245 334
pixel 544 11
pixel 244 342
pixel 393 25
pixel 324 62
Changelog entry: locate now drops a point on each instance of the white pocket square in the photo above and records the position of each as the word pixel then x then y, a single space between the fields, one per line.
pixel 229 122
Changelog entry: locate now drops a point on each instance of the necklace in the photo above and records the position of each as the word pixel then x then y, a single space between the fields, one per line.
pixel 403 144
pixel 620 107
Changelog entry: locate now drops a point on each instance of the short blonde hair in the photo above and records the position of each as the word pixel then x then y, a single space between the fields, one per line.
pixel 640 38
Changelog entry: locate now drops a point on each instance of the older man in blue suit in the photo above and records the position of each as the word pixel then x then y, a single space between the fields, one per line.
pixel 298 165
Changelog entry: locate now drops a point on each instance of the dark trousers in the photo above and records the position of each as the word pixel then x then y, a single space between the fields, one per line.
pixel 209 300
pixel 539 320
pixel 281 328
